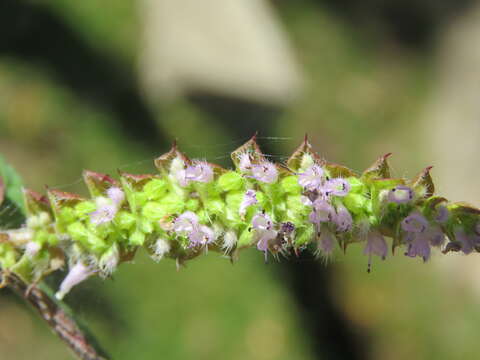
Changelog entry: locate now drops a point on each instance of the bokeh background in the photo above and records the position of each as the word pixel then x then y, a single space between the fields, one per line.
pixel 107 86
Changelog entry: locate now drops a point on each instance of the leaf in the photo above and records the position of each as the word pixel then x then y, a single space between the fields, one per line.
pixel 12 208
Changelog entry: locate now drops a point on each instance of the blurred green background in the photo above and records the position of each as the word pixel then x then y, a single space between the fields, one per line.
pixel 108 86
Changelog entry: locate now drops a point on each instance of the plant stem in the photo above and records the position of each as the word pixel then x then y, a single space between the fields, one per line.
pixel 58 317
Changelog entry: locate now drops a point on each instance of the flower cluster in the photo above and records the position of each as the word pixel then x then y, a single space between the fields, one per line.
pixel 192 206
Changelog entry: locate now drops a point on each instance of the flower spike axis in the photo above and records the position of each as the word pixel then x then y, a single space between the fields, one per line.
pixel 192 206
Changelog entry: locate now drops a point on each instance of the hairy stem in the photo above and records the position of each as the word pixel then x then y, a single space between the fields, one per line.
pixel 57 316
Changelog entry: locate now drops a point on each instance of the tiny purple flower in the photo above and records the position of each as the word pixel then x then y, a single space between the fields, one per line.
pixel 178 171
pixel 186 223
pixel 107 208
pixel 245 164
pixel 200 171
pixel 287 227
pixel 249 199
pixel 116 195
pixel 201 235
pixel 323 211
pixel 418 246
pixel 400 194
pixel 181 176
pixel 377 245
pixel 436 236
pixel 104 214
pixel 415 223
pixel 343 219
pixel 326 241
pixel 338 187
pixel 262 222
pixel 419 235
pixel 263 226
pixel 32 248
pixel 312 178
pixel 78 273
pixel 265 172
pixel 265 237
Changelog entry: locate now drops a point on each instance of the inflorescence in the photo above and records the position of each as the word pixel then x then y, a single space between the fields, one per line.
pixel 193 206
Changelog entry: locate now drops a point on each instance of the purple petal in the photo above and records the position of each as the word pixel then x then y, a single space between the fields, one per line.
pixel 326 241
pixel 104 214
pixel 78 273
pixel 265 172
pixel 415 223
pixel 338 187
pixel 265 237
pixel 208 234
pixel 312 178
pixel 178 172
pixel 436 236
pixel 315 218
pixel 201 236
pixel 181 177
pixel 200 171
pixel 249 199
pixel 324 211
pixel 287 227
pixel 195 237
pixel 376 245
pixel 400 194
pixel 185 223
pixel 32 248
pixel 262 222
pixel 245 164
pixel 116 195
pixel 343 219
pixel 419 246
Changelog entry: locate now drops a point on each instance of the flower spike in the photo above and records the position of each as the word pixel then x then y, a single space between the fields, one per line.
pixel 191 206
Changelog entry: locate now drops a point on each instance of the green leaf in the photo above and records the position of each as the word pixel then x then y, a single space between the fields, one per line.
pixel 12 208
